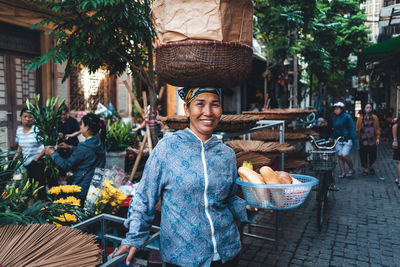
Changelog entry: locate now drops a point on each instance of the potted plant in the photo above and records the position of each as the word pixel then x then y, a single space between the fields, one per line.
pixel 118 137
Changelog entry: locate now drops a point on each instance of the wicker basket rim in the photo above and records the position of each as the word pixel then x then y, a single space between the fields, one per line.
pixel 225 118
pixel 276 112
pixel 206 42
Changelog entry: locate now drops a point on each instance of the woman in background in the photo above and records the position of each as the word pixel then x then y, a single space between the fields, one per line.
pixel 343 126
pixel 368 133
pixel 87 156
pixel 32 151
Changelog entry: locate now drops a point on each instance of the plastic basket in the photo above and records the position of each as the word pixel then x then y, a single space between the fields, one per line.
pixel 278 196
pixel 323 160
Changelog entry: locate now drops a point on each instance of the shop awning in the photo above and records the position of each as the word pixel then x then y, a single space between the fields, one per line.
pixel 379 51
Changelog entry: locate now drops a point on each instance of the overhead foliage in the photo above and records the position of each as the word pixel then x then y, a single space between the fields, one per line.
pixel 114 35
pixel 323 33
pixel 106 34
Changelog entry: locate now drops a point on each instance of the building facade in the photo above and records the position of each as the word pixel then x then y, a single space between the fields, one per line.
pixel 19 44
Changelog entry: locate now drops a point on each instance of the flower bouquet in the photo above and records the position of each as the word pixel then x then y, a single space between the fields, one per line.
pixel 66 195
pixel 107 191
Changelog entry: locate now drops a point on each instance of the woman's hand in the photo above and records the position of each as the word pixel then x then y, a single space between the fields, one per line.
pixel 48 151
pixel 126 249
pixel 38 156
pixel 64 145
pixel 395 145
pixel 377 141
pixel 250 208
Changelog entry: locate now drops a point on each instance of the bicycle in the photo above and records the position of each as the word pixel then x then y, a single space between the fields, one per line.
pixel 323 161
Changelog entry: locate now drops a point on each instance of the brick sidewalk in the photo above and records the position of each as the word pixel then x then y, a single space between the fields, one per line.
pixel 362 226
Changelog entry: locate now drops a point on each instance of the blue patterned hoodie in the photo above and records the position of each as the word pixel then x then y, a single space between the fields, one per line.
pixel 196 183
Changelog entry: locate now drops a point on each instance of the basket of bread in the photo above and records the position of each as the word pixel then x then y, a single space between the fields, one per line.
pixel 271 189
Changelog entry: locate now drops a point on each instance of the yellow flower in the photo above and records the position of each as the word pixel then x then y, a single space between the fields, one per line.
pixel 69 200
pixel 4 195
pixel 69 189
pixel 66 217
pixel 108 183
pixel 55 190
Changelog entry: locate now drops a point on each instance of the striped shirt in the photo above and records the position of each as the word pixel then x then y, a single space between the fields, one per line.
pixel 28 143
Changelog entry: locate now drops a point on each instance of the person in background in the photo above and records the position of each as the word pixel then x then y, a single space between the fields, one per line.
pixel 69 128
pixel 343 125
pixel 31 151
pixel 253 107
pixel 368 132
pixel 193 173
pixel 87 156
pixel 395 145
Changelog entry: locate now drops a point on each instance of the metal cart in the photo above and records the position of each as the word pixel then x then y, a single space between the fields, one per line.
pixel 105 237
pixel 261 125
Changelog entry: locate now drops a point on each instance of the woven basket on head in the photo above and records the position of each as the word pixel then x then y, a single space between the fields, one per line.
pixel 47 245
pixel 228 123
pixel 203 63
pixel 259 146
pixel 273 135
pixel 281 114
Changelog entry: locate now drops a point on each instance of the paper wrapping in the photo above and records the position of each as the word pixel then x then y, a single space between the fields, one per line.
pixel 216 20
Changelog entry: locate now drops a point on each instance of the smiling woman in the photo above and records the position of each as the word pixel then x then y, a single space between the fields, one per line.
pixel 195 174
pixel 204 112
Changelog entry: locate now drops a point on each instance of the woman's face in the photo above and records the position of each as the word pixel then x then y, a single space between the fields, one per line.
pixel 26 119
pixel 368 108
pixel 84 129
pixel 338 111
pixel 204 113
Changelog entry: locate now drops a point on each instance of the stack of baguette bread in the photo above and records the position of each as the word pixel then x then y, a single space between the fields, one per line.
pixel 267 176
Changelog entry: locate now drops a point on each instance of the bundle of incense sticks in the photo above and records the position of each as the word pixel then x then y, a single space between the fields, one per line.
pixel 47 245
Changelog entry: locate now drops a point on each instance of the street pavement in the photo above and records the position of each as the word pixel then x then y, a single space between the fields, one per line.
pixel 362 225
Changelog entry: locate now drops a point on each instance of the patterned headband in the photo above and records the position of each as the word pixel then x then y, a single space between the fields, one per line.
pixel 188 94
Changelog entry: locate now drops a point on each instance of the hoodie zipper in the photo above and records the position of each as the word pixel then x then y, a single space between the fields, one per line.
pixel 203 158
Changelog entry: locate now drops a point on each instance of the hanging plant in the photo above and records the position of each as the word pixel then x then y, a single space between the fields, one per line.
pixel 47 119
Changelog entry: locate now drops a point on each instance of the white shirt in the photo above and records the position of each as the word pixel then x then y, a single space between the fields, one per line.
pixel 28 143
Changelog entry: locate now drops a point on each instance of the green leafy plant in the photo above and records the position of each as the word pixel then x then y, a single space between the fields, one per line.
pixel 119 136
pixel 8 166
pixel 18 206
pixel 47 119
pixel 17 198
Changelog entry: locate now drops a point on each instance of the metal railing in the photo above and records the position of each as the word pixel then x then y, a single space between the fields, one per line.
pixel 103 219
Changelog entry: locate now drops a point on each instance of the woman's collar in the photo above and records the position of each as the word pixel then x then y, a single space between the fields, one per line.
pixel 199 137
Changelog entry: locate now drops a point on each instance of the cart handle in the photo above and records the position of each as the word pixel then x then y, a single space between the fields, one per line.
pixel 315 143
